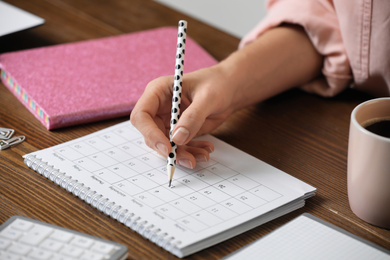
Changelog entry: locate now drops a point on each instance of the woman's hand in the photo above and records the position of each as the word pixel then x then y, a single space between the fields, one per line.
pixel 205 104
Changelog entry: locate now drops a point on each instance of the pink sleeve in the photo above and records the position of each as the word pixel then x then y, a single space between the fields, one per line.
pixel 320 22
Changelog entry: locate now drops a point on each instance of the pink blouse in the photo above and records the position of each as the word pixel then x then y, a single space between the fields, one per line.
pixel 352 35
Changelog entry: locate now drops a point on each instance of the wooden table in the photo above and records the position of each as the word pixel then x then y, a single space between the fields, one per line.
pixel 301 134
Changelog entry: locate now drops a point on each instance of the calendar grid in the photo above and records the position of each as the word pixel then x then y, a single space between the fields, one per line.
pixel 198 199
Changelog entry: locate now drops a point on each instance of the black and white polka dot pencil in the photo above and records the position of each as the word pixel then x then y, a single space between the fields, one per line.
pixel 176 99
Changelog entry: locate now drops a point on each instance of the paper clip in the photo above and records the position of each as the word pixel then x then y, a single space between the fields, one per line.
pixel 4 144
pixel 6 133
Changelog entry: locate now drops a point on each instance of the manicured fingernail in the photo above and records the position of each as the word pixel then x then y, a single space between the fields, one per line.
pixel 209 149
pixel 162 148
pixel 180 136
pixel 201 158
pixel 186 163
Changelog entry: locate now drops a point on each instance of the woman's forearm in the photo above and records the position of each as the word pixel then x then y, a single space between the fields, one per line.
pixel 278 60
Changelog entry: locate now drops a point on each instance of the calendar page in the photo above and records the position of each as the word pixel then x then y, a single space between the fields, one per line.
pixel 126 179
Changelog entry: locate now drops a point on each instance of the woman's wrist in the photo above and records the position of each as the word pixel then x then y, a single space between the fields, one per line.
pixel 237 79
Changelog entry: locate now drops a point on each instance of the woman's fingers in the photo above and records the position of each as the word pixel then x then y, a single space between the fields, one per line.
pixel 195 151
pixel 151 115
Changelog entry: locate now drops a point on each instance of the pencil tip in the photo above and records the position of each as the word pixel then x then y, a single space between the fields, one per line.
pixel 170 171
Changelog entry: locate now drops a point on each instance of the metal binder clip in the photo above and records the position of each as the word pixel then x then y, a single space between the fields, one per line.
pixel 6 133
pixel 4 144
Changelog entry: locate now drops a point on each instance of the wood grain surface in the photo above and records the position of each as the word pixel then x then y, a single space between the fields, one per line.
pixel 301 134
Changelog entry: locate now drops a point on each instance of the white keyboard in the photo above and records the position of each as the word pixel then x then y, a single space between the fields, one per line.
pixel 24 238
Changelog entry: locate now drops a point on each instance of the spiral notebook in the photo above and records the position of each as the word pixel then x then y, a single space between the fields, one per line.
pixel 87 81
pixel 114 171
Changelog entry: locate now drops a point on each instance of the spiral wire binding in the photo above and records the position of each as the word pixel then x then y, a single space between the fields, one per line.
pixel 103 204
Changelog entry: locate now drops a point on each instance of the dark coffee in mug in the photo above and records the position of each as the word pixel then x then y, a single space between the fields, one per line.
pixel 380 127
pixel 368 162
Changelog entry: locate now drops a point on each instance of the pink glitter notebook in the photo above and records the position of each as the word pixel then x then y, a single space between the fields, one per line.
pixel 93 80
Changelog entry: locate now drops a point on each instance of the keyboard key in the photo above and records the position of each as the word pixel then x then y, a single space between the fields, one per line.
pixel 82 242
pixel 62 236
pixel 61 257
pixel 11 234
pixel 22 225
pixel 8 256
pixel 92 256
pixel 4 243
pixel 51 245
pixel 40 254
pixel 19 249
pixel 103 248
pixel 71 251
pixel 36 235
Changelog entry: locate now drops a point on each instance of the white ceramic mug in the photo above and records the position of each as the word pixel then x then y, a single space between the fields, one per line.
pixel 369 164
